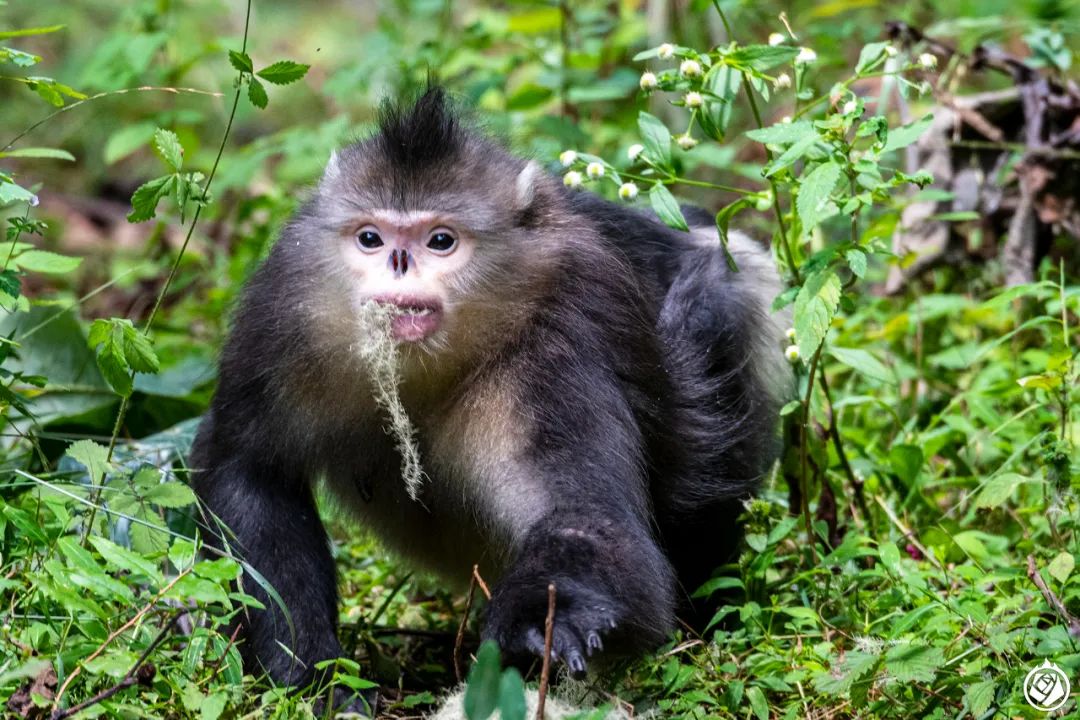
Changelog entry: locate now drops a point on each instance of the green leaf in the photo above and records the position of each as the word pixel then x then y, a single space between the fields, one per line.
pixel 843 675
pixel 213 706
pixel 283 72
pixel 528 95
pixel 656 138
pixel 39 152
pixel 793 154
pixel 856 260
pixel 127 140
pixel 979 697
pixel 482 690
pixel 906 461
pixel 761 57
pixel 512 696
pixel 782 133
pixel 241 61
pixel 863 362
pixel 257 94
pixel 94 457
pixel 758 703
pixel 25 32
pixel 171 495
pixel 913 662
pixel 889 555
pixel 1061 567
pixel 815 306
pixel 716 584
pixel 139 351
pixel 813 201
pixel 123 559
pixel 667 207
pixel 146 198
pixel 44 261
pixel 869 55
pixel 998 489
pixel 904 135
pixel 169 148
pixel 533 22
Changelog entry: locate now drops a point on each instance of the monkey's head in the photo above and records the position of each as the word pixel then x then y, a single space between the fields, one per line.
pixel 436 221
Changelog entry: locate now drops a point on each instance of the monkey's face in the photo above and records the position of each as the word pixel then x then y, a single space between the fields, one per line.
pixel 407 260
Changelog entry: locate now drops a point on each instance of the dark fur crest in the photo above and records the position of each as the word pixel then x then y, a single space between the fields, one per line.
pixel 420 134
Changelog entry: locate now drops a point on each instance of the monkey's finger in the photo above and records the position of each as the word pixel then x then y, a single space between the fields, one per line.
pixel 569 648
pixel 593 643
pixel 534 641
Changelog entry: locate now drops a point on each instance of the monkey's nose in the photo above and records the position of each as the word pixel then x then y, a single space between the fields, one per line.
pixel 399 262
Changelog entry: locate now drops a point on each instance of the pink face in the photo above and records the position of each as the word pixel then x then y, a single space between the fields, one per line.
pixel 404 259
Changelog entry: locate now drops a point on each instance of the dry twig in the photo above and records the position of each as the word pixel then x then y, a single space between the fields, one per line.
pixel 545 671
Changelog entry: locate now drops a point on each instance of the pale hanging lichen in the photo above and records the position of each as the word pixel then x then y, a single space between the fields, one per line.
pixel 379 352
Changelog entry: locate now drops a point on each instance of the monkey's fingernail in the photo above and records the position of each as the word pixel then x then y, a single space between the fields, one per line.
pixel 611 624
pixel 577 664
pixel 593 642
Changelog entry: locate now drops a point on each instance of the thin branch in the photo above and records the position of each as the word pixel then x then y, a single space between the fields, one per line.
pixel 545 671
pixel 460 639
pixel 480 581
pixel 1052 600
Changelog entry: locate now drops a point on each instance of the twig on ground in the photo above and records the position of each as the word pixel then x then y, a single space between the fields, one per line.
pixel 460 639
pixel 545 671
pixel 1053 600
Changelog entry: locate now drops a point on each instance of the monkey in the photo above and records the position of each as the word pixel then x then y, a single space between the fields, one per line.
pixel 591 394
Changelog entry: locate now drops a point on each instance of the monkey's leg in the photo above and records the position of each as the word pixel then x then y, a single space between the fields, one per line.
pixel 613 587
pixel 273 524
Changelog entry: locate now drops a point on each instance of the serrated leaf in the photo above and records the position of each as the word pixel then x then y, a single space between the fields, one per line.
pixel 10 283
pixel 124 559
pixel 844 674
pixel 782 133
pixel 39 152
pixel 863 362
pixel 1061 567
pixel 856 260
pixel 998 489
pixel 667 207
pixel 94 457
pixel 901 137
pixel 146 198
pixel 979 697
pixel 169 148
pixel 173 494
pixel 241 61
pixel 283 72
pixel 139 351
pixel 815 306
pixel 813 201
pixel 257 94
pixel 44 261
pixel 913 662
pixel 761 57
pixel 656 138
pixel 793 154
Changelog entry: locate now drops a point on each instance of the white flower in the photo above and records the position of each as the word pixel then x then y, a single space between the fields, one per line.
pixel 790 334
pixel 567 157
pixel 783 80
pixel 634 150
pixel 572 179
pixel 694 100
pixel 665 51
pixel 595 170
pixel 628 191
pixel 686 141
pixel 792 354
pixel 805 56
pixel 849 107
pixel 690 68
pixel 924 88
pixel 927 61
pixel 891 50
pixel 776 39
pixel 786 119
pixel 648 81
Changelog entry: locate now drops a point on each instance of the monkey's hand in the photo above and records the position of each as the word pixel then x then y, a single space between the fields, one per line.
pixel 583 616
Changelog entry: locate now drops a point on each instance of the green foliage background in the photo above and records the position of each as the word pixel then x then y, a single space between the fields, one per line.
pixel 931 470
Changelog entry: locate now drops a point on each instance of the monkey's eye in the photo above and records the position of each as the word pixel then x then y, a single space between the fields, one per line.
pixel 369 240
pixel 441 242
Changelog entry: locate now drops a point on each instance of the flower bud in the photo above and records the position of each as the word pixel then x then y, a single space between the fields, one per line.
pixel 628 191
pixel 572 179
pixel 648 81
pixel 776 39
pixel 805 56
pixel 634 150
pixel 927 61
pixel 665 51
pixel 792 354
pixel 783 80
pixel 567 157
pixel 595 170
pixel 694 100
pixel 686 141
pixel 690 68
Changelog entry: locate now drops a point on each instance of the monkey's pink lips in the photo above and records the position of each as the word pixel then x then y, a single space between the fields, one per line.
pixel 416 318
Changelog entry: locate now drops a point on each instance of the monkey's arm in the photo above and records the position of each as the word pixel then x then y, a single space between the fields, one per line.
pixel 613 584
pixel 273 524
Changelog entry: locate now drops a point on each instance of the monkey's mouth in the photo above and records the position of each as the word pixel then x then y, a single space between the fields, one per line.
pixel 415 318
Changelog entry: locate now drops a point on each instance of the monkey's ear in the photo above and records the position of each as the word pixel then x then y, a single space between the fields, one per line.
pixel 333 168
pixel 525 186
